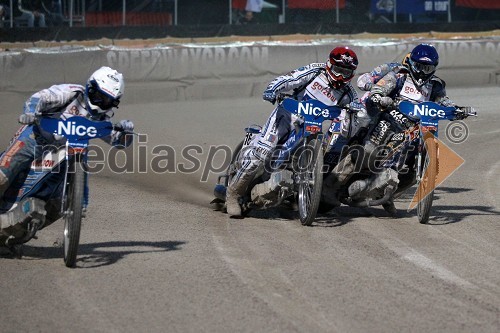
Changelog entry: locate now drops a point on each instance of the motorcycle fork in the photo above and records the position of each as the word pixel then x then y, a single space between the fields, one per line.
pixel 422 153
pixel 75 155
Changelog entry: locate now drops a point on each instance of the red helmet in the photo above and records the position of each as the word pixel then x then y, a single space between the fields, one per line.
pixel 341 66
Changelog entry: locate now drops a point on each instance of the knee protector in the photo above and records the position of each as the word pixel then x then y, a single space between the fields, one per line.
pixel 3 179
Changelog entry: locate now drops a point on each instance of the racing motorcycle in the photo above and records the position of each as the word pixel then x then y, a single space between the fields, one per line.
pixel 294 173
pixel 422 139
pixel 399 151
pixel 55 187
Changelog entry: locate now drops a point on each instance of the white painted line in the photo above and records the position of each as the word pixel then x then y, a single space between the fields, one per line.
pixel 432 267
pixel 493 184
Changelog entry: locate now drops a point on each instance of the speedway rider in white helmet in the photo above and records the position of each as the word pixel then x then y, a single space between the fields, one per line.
pixel 95 101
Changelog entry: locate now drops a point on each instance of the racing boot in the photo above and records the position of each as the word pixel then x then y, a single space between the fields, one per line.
pixel 339 176
pixel 238 185
pixel 331 184
pixel 4 183
pixel 233 206
pixel 237 189
pixel 390 208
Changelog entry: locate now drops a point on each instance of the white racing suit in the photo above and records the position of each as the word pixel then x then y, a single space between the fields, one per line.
pixel 399 84
pixel 27 145
pixel 308 82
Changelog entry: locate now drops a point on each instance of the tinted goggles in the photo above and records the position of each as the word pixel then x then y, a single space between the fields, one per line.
pixel 422 68
pixel 101 99
pixel 346 73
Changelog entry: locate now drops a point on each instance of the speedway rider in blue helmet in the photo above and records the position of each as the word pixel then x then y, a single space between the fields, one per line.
pixel 412 80
pixel 327 82
pixel 95 101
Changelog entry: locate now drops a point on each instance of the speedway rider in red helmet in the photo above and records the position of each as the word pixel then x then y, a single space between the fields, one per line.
pixel 327 82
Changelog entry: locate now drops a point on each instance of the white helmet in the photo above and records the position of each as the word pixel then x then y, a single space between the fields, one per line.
pixel 103 90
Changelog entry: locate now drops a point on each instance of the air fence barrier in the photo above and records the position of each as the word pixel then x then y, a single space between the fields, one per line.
pixel 185 71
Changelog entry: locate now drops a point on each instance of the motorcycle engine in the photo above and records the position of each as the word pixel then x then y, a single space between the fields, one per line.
pixel 373 186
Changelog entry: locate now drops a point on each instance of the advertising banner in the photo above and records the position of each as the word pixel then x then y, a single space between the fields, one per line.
pixel 483 4
pixel 409 6
pixel 315 4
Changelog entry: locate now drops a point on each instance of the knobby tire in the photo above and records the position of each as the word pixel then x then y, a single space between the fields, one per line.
pixel 73 216
pixel 428 181
pixel 311 180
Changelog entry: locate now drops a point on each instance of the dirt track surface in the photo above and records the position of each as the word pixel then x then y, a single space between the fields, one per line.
pixel 155 257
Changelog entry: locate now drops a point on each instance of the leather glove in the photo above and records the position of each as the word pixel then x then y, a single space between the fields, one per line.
pixel 383 101
pixel 120 137
pixel 270 96
pixel 386 101
pixel 27 118
pixel 365 82
pixel 125 125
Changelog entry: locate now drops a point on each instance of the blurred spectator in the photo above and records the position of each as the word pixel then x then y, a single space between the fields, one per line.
pixel 245 10
pixel 252 7
pixel 35 8
pixel 3 14
pixel 25 13
pixel 53 10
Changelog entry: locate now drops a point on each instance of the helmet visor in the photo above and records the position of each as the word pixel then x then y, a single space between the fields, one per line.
pixel 346 73
pixel 101 99
pixel 422 68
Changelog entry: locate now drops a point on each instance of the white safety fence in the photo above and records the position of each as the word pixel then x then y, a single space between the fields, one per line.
pixel 239 69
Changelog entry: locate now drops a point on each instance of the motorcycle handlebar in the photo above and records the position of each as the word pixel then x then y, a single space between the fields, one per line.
pixel 116 127
pixel 466 111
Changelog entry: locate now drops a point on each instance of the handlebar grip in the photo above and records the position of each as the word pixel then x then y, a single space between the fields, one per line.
pixel 117 127
pixel 467 111
pixel 281 96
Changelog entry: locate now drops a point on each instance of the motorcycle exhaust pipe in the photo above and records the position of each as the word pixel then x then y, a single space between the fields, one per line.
pixel 368 203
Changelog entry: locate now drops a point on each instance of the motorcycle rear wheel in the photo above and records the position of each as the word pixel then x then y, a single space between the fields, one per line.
pixel 428 181
pixel 311 179
pixel 73 214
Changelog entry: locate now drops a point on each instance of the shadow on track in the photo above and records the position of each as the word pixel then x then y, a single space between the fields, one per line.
pixel 339 216
pixel 447 214
pixel 99 254
pixel 442 215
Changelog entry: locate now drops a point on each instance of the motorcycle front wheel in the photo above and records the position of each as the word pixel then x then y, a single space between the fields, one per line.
pixel 73 214
pixel 310 165
pixel 232 168
pixel 428 181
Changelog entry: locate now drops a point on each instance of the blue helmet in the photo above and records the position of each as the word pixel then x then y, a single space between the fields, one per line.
pixel 422 63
